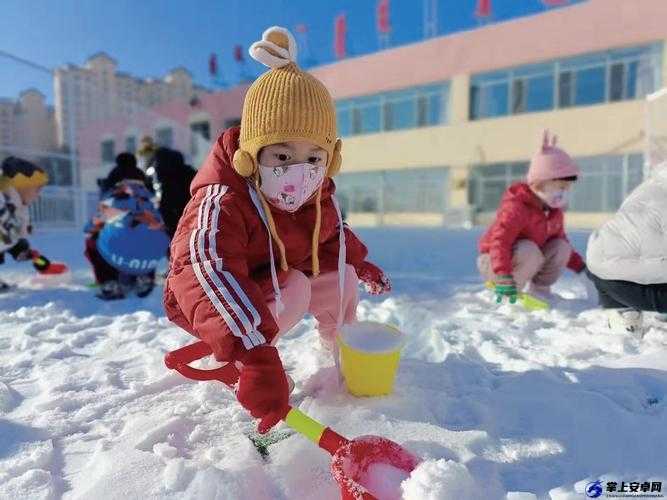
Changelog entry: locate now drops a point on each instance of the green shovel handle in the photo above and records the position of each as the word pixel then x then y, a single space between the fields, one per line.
pixel 319 434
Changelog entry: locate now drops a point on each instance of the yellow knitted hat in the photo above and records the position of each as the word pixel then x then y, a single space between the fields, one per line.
pixel 285 104
pixel 21 174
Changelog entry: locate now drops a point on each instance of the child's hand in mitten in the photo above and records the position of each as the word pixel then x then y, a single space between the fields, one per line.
pixel 374 280
pixel 263 389
pixel 506 287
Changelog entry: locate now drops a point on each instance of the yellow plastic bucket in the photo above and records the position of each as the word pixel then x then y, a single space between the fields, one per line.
pixel 369 356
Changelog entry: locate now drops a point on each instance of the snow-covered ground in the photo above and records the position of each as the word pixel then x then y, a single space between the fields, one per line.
pixel 499 400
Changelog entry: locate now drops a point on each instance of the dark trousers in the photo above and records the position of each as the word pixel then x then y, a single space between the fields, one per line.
pixel 616 294
pixel 103 271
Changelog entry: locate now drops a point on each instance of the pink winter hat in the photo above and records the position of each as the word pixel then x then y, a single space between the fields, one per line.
pixel 551 162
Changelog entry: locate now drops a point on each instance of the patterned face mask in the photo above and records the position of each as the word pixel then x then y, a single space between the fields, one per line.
pixel 289 187
pixel 557 198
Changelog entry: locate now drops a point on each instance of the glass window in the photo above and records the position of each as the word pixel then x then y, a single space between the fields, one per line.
pixel 582 62
pixel 518 96
pixel 130 144
pixel 400 111
pixel 635 175
pixel 605 182
pixel 164 137
pixel 582 81
pixel 488 183
pixel 344 117
pixel 356 121
pixel 423 117
pixel 617 82
pixel 368 115
pixel 631 71
pixel 108 151
pixel 540 94
pixel 475 97
pixel 437 111
pixel 359 192
pixel 590 86
pixel 410 108
pixel 202 129
pixel 491 100
pixel 417 190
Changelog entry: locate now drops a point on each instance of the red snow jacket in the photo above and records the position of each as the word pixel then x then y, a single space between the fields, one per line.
pixel 219 274
pixel 522 216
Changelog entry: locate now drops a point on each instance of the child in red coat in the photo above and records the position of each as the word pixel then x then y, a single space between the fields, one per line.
pixel 262 242
pixel 526 245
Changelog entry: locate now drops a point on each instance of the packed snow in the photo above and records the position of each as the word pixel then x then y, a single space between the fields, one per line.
pixel 441 480
pixel 371 337
pixel 498 402
pixel 384 481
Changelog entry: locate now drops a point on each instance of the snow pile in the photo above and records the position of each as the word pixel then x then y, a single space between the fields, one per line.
pixel 8 398
pixel 494 398
pixel 441 480
pixel 384 481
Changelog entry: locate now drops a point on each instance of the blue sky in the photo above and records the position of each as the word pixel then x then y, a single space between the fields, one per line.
pixel 149 37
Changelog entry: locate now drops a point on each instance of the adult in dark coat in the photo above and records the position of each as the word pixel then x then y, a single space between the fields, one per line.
pixel 170 178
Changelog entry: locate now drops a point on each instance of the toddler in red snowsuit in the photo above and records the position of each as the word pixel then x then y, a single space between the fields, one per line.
pixel 526 244
pixel 262 241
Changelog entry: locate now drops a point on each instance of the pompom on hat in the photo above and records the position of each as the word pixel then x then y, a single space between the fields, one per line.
pixel 285 104
pixel 551 162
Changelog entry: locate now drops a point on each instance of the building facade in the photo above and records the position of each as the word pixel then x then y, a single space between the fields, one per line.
pixel 28 130
pixel 27 123
pixel 186 125
pixel 434 132
pixel 98 91
pixel 582 72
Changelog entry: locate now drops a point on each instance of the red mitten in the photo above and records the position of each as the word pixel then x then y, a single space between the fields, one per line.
pixel 263 389
pixel 374 280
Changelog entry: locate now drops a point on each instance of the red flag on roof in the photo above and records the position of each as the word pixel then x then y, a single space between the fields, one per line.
pixel 340 33
pixel 213 65
pixel 383 25
pixel 555 3
pixel 238 53
pixel 483 9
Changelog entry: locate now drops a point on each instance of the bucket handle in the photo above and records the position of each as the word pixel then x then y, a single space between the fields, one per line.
pixel 180 359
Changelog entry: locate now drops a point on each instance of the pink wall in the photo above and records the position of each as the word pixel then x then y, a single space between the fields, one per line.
pixel 591 26
pixel 220 106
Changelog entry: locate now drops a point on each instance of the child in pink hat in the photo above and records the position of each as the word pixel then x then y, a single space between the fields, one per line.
pixel 526 245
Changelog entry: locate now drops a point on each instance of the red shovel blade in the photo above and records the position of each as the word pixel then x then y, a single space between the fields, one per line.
pixel 55 268
pixel 351 462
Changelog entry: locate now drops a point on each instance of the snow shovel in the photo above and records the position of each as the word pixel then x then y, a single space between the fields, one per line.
pixel 528 301
pixel 44 266
pixel 350 458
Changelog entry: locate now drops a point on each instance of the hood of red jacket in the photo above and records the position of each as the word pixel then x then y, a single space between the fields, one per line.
pixel 218 168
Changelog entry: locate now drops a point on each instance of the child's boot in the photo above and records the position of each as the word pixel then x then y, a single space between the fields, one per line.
pixel 144 285
pixel 4 287
pixel 111 290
